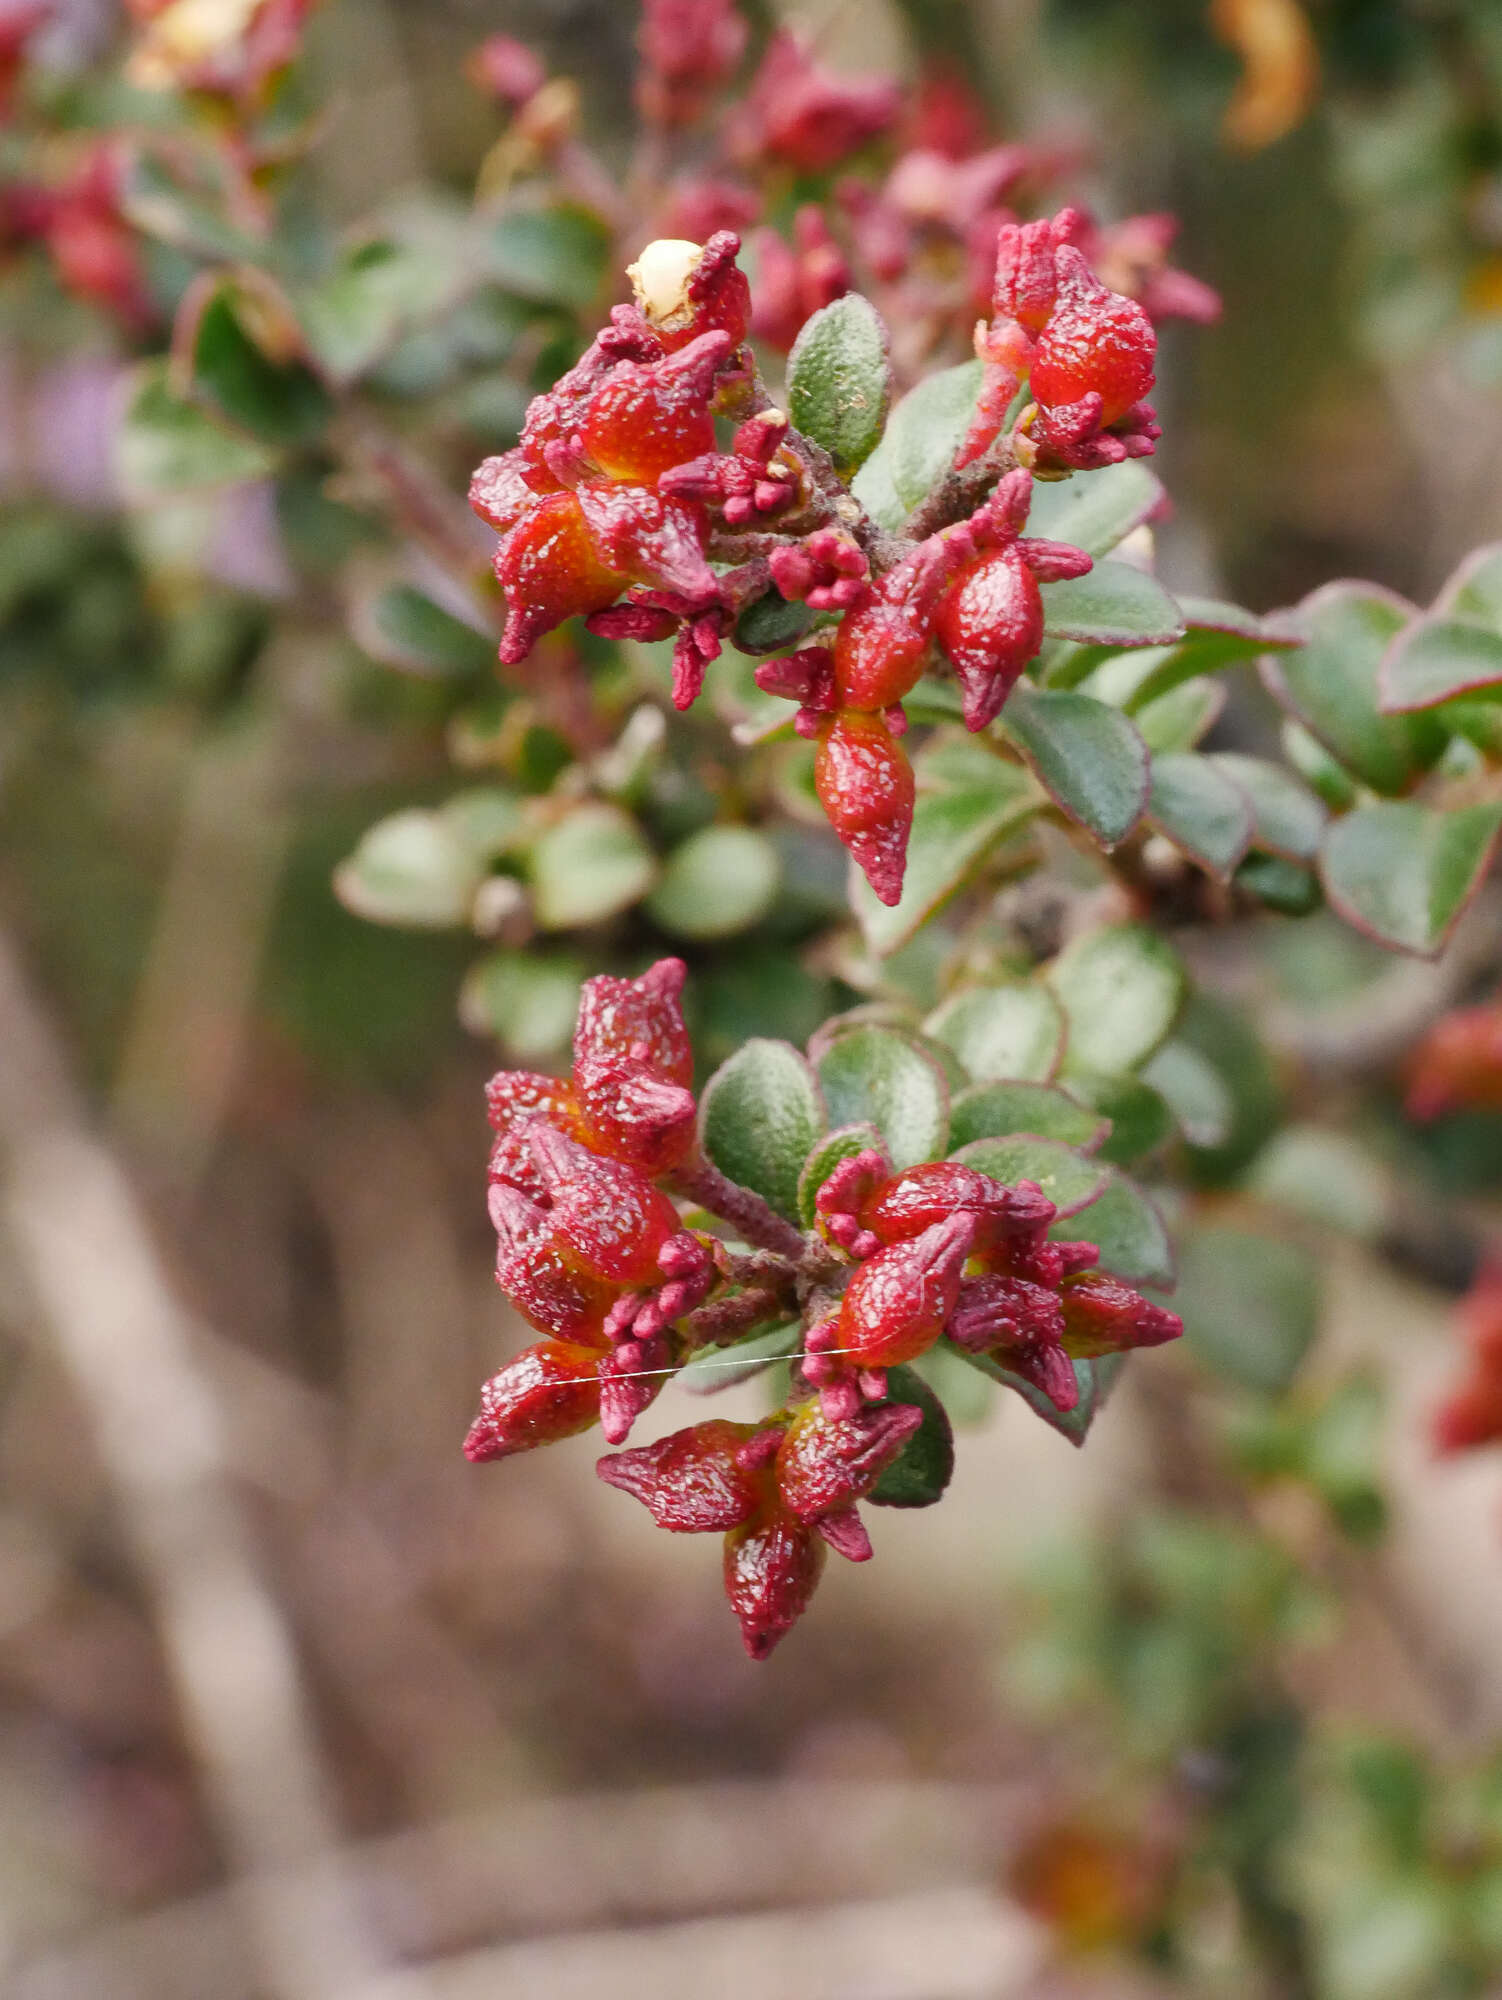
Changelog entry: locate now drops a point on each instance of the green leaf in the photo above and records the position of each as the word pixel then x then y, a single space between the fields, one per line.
pixel 589 866
pixel 1286 886
pixel 842 1144
pixel 1126 1226
pixel 1121 987
pixel 1087 755
pixel 719 881
pixel 384 288
pixel 553 256
pixel 1403 873
pixel 487 818
pixel 923 434
pixel 968 801
pixel 1002 1031
pixel 759 1115
pixel 1250 1305
pixel 1070 1181
pixel 1194 1090
pixel 1474 591
pixel 878 1076
pixel 413 869
pixel 1324 1175
pixel 280 404
pixel 1094 511
pixel 1435 659
pixel 995 1110
pixel 840 380
pixel 403 628
pixel 1317 767
pixel 1290 818
pixel 1095 1379
pixel 1114 605
pixel 1330 685
pixel 527 999
pixel 1201 810
pixel 769 623
pixel 1141 1120
pixel 165 445
pixel 918 1477
pixel 1177 720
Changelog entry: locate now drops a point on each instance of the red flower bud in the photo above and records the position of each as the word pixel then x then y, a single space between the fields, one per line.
pixel 1095 343
pixel 608 1215
pixel 896 1304
pixel 542 1282
pixel 688 48
pixel 1005 1312
pixel 643 420
pixel 507 69
pixel 1458 1065
pixel 549 570
pixel 683 300
pixel 990 625
pixel 513 1098
pixel 693 1481
pixel 1026 274
pixel 805 116
pixel 500 493
pixel 629 1112
pixel 639 1020
pixel 915 1200
pixel 865 785
pixel 823 1466
pixel 1103 1316
pixel 646 538
pixel 548 1392
pixel 771 1569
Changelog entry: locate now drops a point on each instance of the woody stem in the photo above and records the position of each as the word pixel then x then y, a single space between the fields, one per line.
pixel 758 1222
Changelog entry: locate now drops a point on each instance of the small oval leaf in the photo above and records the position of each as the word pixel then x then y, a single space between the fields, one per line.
pixel 996 1110
pixel 759 1116
pixel 1404 873
pixel 1002 1031
pixel 1124 1223
pixel 1121 987
pixel 1114 605
pixel 1087 755
pixel 840 380
pixel 1201 810
pixel 925 1466
pixel 877 1076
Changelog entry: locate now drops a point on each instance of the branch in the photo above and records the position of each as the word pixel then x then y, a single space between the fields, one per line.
pixel 758 1222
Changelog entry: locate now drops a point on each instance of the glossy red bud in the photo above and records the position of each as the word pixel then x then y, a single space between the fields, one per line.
pixel 643 420
pixel 692 1481
pixel 865 785
pixel 1096 342
pixel 549 569
pixel 629 1112
pixel 772 1567
pixel 823 1466
pixel 638 1020
pixel 513 1097
pixel 548 1392
pixel 534 1270
pixel 913 1201
pixel 1104 1316
pixel 896 1304
pixel 990 625
pixel 607 1215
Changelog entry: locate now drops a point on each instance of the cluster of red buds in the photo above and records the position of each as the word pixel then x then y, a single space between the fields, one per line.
pixel 1084 352
pixel 971 591
pixel 617 501
pixel 1458 1065
pixel 1472 1413
pixel 594 1254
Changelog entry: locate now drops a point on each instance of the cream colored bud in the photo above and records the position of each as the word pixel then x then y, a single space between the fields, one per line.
pixel 660 278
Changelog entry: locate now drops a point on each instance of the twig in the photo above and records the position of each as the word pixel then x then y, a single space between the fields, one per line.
pixel 758 1222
